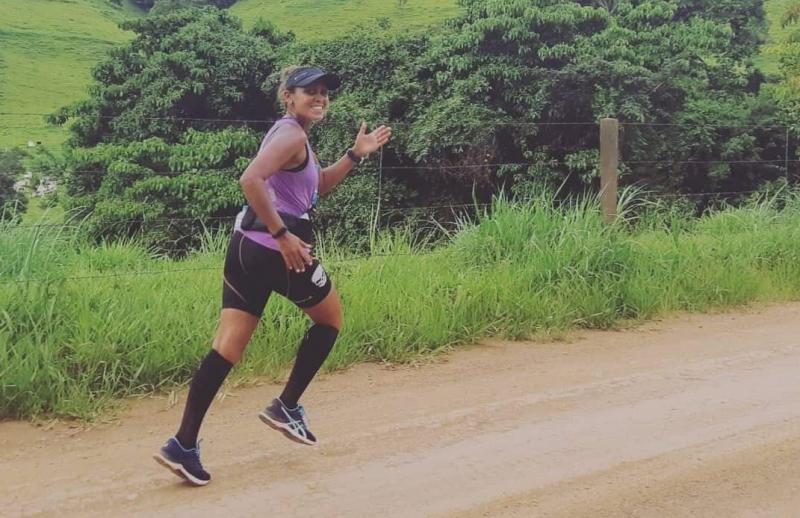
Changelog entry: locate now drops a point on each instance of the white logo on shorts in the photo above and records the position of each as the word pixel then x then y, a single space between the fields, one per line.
pixel 318 277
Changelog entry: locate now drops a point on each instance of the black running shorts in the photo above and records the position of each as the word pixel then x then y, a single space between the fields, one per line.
pixel 253 272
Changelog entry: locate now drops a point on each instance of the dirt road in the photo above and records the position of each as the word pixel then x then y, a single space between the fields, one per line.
pixel 697 415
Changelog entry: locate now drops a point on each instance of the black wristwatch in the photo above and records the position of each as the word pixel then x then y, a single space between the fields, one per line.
pixel 355 158
pixel 279 234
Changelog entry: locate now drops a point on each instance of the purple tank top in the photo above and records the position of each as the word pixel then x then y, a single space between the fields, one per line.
pixel 292 192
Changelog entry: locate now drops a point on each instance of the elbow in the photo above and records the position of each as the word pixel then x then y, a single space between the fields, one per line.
pixel 247 184
pixel 245 181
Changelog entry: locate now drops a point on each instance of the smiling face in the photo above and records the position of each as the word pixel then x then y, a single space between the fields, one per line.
pixel 309 103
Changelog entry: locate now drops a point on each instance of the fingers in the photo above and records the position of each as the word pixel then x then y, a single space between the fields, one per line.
pixel 381 135
pixel 298 262
pixel 367 143
pixel 306 257
pixel 298 258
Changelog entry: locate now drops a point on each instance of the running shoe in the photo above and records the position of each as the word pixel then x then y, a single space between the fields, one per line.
pixel 184 463
pixel 292 422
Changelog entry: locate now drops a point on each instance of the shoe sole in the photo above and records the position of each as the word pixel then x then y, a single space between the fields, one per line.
pixel 284 429
pixel 179 470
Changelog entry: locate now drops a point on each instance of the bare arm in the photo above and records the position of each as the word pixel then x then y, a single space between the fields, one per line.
pixel 332 175
pixel 365 144
pixel 283 148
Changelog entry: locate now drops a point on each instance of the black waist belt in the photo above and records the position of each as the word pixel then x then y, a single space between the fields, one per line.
pixel 301 227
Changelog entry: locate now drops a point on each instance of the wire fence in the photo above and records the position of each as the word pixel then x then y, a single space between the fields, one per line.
pixel 223 221
pixel 169 271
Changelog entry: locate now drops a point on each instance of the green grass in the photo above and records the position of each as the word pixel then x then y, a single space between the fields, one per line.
pixel 68 348
pixel 321 19
pixel 767 61
pixel 47 51
pixel 38 213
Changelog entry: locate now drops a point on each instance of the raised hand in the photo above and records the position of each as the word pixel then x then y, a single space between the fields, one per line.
pixel 366 143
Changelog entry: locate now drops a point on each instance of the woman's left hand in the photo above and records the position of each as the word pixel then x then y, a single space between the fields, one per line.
pixel 366 143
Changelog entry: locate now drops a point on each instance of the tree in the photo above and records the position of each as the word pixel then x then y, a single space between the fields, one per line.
pixel 168 118
pixel 519 83
pixel 193 68
pixel 544 64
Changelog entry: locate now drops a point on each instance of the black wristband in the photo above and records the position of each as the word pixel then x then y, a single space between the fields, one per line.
pixel 280 233
pixel 355 158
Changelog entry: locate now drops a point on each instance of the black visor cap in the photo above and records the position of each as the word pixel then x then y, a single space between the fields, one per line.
pixel 309 75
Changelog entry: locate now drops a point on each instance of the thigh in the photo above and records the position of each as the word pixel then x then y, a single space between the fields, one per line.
pixel 305 289
pixel 250 272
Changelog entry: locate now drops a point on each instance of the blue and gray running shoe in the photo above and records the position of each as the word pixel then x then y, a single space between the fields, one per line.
pixel 184 463
pixel 293 422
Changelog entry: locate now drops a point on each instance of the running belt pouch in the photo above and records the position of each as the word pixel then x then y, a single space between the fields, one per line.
pixel 302 228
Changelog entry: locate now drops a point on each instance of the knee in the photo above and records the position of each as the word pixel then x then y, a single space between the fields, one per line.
pixel 228 351
pixel 332 321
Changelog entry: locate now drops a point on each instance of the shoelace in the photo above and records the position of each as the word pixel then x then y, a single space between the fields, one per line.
pixel 197 453
pixel 302 411
pixel 298 425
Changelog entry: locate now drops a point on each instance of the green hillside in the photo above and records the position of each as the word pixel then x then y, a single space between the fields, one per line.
pixel 320 19
pixel 775 9
pixel 47 50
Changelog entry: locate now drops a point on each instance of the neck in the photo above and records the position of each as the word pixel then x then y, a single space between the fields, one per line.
pixel 304 123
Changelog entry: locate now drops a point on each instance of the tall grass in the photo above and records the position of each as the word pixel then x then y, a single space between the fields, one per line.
pixel 68 347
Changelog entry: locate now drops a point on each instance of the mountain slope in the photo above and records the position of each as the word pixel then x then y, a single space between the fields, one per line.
pixel 47 51
pixel 321 19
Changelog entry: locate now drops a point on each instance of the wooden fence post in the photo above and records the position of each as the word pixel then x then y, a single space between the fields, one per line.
pixel 609 160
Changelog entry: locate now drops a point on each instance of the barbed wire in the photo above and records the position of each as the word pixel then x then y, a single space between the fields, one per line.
pixel 332 262
pixel 352 119
pixel 148 174
pixel 696 194
pixel 383 212
pixel 689 162
pixel 332 119
pixel 202 219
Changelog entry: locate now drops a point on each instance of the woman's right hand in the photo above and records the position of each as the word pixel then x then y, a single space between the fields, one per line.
pixel 296 252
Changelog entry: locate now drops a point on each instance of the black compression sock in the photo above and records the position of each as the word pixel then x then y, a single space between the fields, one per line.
pixel 205 384
pixel 315 347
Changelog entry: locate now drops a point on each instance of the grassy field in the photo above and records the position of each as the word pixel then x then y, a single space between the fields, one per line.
pixel 47 50
pixel 775 9
pixel 69 347
pixel 320 19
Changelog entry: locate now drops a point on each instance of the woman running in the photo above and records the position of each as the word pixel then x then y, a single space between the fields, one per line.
pixel 271 250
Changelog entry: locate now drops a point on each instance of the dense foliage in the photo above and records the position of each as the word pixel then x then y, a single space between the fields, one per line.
pixel 514 82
